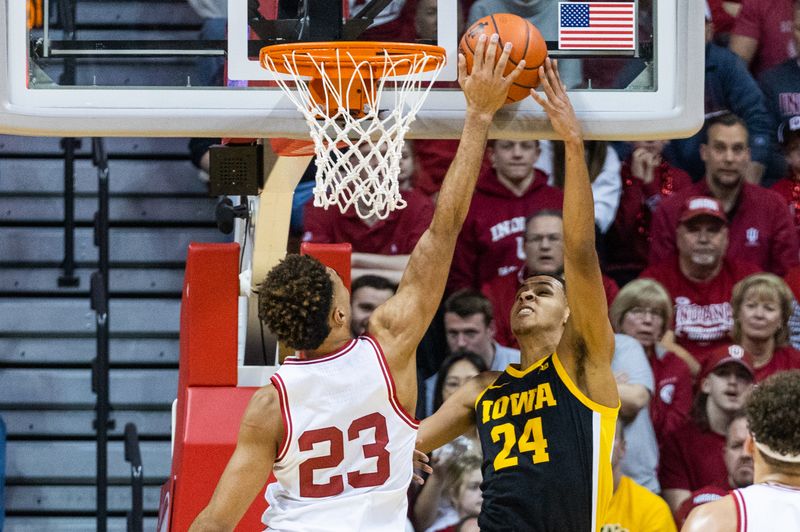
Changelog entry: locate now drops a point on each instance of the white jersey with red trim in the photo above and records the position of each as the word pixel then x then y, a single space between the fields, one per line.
pixel 346 459
pixel 767 508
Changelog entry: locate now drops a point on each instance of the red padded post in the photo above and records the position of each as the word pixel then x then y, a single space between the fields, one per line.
pixel 208 340
pixel 337 256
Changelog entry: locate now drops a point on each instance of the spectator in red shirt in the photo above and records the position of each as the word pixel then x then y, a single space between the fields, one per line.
pixel 491 243
pixel 647 178
pixel 380 247
pixel 789 186
pixel 762 33
pixel 544 253
pixel 701 278
pixel 761 230
pixel 642 310
pixel 738 463
pixel 762 305
pixel 692 457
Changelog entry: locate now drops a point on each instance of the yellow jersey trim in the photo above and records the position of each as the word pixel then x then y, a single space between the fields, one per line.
pixel 514 372
pixel 588 403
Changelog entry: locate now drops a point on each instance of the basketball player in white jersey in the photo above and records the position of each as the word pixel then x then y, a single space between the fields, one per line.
pixel 334 424
pixel 772 503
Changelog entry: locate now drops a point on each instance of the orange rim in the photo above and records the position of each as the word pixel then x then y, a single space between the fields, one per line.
pixel 305 54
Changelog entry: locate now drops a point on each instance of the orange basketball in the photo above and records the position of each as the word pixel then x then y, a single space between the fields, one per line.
pixel 528 44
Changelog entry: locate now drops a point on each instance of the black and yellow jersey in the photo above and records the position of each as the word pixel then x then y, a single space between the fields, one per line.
pixel 547 452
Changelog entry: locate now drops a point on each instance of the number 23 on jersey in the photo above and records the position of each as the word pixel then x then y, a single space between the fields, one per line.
pixel 335 438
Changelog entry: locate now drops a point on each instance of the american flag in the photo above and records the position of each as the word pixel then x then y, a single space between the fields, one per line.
pixel 596 25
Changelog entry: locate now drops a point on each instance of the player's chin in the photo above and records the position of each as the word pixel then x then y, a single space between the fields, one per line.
pixel 522 326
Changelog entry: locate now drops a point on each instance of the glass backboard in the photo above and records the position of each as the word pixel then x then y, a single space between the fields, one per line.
pixel 156 75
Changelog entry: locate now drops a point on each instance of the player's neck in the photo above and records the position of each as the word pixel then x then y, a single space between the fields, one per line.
pixel 785 479
pixel 534 348
pixel 334 342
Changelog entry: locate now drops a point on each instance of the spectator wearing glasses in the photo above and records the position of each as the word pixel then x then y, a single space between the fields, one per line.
pixel 544 253
pixel 643 310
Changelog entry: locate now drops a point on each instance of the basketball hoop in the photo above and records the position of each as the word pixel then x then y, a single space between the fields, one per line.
pixel 340 87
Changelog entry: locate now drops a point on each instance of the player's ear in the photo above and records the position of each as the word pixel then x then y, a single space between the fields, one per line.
pixel 339 317
pixel 750 445
pixel 566 316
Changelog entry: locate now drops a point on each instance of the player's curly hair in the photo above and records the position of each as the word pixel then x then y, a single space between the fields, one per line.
pixel 772 415
pixel 294 301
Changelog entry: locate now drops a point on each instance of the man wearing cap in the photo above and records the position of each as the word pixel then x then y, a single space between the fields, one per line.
pixel 701 277
pixel 773 501
pixel 789 186
pixel 760 228
pixel 693 456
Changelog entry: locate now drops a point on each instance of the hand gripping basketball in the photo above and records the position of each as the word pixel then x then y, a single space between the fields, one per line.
pixel 485 86
pixel 557 104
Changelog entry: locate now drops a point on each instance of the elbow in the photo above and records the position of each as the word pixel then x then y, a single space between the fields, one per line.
pixel 206 523
pixel 633 398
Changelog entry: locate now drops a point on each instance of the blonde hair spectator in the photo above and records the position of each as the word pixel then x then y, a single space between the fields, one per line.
pixel 763 287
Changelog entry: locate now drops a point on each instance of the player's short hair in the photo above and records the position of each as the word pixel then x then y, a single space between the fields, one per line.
pixel 772 417
pixel 558 276
pixel 372 281
pixel 294 301
pixel 466 302
pixel 764 285
pixel 641 293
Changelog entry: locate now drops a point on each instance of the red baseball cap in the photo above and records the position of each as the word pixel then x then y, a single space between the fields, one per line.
pixel 727 354
pixel 702 206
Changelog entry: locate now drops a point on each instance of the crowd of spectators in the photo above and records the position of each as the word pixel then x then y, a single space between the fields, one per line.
pixel 699 243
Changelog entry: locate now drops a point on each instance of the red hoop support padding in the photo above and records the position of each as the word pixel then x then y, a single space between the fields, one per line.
pixel 209 405
pixel 337 256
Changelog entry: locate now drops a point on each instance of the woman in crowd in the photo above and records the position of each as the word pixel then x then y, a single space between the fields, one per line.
pixel 433 509
pixel 642 309
pixel 762 305
pixel 465 488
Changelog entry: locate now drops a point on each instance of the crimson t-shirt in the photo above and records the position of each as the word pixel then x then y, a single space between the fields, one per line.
pixel 673 395
pixel 770 22
pixel 703 316
pixel 692 458
pixel 784 358
pixel 490 243
pixel 396 235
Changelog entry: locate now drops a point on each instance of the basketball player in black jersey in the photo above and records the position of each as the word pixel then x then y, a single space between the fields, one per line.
pixel 547 426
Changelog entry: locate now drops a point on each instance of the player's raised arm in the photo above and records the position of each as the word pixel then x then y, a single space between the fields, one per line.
pixel 249 467
pixel 587 345
pixel 400 322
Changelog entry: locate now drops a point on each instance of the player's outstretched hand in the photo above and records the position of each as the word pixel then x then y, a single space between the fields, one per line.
pixel 486 88
pixel 556 103
pixel 421 464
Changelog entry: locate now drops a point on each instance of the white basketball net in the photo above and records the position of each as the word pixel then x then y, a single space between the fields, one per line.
pixel 358 158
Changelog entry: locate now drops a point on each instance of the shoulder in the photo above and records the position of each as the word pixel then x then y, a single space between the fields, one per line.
pixel 760 196
pixel 716 516
pixel 263 413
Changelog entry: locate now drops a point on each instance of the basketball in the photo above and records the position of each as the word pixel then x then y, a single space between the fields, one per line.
pixel 528 44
